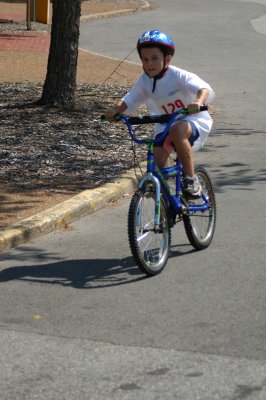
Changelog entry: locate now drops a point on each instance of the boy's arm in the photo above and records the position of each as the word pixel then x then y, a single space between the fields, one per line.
pixel 120 108
pixel 200 99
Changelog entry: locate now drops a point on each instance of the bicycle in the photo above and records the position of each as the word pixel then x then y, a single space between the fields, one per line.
pixel 155 207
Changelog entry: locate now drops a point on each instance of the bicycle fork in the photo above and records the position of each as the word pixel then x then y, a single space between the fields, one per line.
pixel 149 177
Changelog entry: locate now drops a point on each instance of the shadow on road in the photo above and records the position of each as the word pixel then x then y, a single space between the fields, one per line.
pixel 79 274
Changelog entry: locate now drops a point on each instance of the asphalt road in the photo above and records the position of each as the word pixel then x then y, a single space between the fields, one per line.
pixel 77 318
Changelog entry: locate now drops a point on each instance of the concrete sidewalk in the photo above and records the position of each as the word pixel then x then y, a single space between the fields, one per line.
pixel 84 203
pixel 25 41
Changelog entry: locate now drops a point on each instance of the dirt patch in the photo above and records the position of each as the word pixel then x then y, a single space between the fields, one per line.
pixel 18 67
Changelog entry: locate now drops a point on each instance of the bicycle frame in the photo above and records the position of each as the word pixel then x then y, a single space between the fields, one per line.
pixel 160 177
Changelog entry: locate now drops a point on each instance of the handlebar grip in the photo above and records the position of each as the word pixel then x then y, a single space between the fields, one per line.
pixel 204 108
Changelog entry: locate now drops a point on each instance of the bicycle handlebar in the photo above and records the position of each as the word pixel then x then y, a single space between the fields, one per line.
pixel 149 119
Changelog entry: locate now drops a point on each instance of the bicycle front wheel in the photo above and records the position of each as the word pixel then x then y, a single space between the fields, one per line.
pixel 200 225
pixel 149 246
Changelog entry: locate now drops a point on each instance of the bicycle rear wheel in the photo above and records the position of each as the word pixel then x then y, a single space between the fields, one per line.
pixel 150 248
pixel 200 225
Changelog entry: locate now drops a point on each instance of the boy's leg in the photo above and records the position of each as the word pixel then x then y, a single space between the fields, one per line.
pixel 177 138
pixel 160 155
pixel 179 135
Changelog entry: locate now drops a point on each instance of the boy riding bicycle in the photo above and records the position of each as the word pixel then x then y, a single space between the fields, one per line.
pixel 164 88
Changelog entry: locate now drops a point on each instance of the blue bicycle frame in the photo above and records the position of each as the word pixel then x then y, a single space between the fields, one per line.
pixel 159 177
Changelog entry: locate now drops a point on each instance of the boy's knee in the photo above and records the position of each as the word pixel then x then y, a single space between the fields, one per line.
pixel 180 131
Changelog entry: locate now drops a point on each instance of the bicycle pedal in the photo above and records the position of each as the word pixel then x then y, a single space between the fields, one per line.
pixel 190 197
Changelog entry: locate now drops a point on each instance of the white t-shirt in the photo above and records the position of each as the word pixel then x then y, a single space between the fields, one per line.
pixel 174 90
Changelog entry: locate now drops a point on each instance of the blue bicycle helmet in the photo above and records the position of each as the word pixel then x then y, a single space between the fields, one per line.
pixel 156 39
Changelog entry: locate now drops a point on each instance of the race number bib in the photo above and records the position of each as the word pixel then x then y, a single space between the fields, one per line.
pixel 172 103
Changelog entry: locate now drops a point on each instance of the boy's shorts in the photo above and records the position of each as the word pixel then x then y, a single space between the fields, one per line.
pixel 168 145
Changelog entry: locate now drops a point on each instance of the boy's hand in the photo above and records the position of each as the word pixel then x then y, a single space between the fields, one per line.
pixel 111 113
pixel 194 106
pixel 201 98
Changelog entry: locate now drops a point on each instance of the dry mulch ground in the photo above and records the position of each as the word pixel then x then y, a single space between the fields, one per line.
pixel 48 155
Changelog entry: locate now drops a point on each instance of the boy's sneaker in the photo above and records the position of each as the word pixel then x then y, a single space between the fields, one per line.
pixel 192 187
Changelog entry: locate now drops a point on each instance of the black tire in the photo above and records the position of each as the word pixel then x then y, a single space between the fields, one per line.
pixel 200 225
pixel 150 249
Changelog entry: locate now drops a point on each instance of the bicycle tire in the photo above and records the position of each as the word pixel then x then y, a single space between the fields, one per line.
pixel 200 225
pixel 150 249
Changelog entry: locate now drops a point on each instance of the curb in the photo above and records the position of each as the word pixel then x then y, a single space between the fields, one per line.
pixel 61 215
pixel 143 7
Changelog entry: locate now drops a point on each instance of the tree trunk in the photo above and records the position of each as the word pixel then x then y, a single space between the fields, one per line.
pixel 60 83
